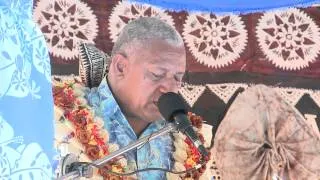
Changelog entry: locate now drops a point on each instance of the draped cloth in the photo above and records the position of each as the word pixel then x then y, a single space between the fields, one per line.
pixel 263 137
pixel 230 6
pixel 26 103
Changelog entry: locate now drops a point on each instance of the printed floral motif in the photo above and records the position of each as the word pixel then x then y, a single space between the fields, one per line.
pixel 66 23
pixel 125 12
pixel 19 160
pixel 25 80
pixel 40 59
pixel 215 41
pixel 288 38
pixel 25 53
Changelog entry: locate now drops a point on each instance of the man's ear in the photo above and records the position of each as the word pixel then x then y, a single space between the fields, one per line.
pixel 120 65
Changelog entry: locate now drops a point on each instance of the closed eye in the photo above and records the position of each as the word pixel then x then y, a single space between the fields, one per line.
pixel 156 77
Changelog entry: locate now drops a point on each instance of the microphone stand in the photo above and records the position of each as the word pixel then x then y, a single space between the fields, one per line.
pixel 79 172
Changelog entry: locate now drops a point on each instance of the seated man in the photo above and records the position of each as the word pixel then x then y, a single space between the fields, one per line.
pixel 148 60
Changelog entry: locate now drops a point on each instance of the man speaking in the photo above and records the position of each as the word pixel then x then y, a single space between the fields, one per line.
pixel 148 60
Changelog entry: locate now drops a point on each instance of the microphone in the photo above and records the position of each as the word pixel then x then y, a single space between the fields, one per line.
pixel 70 168
pixel 173 109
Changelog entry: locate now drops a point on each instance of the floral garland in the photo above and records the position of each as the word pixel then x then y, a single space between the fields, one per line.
pixel 87 129
pixel 186 155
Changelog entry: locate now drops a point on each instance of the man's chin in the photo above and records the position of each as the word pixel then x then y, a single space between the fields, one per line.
pixel 155 117
pixel 153 114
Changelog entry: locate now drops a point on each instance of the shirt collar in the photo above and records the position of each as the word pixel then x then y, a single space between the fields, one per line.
pixel 113 107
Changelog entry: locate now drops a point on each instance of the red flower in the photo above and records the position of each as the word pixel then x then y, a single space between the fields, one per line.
pixel 79 118
pixel 188 141
pixel 195 175
pixel 196 121
pixel 93 152
pixel 56 91
pixel 201 138
pixel 103 172
pixel 187 166
pixel 62 98
pixel 83 135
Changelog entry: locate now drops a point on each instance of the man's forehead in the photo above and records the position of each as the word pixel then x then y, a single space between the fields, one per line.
pixel 158 52
pixel 158 45
pixel 163 68
pixel 167 68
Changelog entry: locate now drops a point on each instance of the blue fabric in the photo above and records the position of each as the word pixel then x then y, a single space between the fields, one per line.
pixel 227 6
pixel 153 154
pixel 26 104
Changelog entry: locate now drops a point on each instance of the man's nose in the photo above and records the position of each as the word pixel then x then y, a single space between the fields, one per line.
pixel 170 86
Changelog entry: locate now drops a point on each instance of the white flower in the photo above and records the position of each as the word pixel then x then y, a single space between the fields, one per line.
pixel 78 86
pixel 178 166
pixel 180 144
pixel 179 135
pixel 78 92
pixel 113 147
pixel 99 122
pixel 82 101
pixel 104 135
pixel 58 113
pixel 195 129
pixel 180 155
pixel 171 176
pixel 123 162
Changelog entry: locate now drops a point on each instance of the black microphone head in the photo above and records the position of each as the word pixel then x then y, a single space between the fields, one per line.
pixel 171 103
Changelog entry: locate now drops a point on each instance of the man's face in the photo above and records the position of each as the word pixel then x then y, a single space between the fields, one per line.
pixel 153 71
